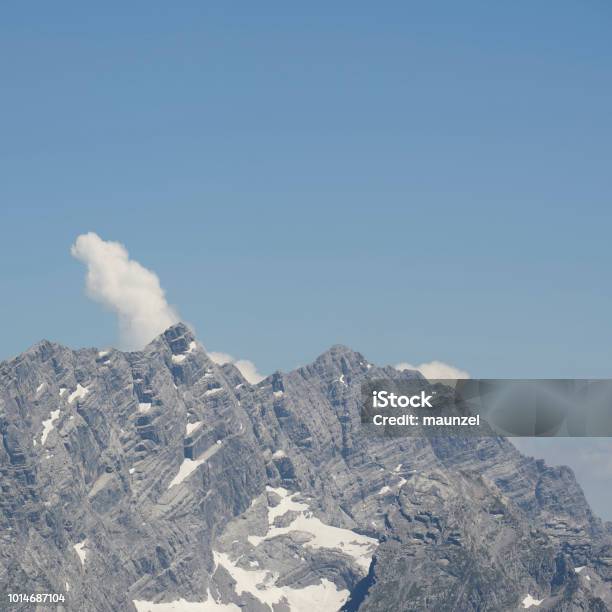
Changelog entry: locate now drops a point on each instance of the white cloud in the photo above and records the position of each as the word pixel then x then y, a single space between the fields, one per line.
pixel 125 287
pixel 248 370
pixel 134 293
pixel 245 367
pixel 435 369
pixel 220 358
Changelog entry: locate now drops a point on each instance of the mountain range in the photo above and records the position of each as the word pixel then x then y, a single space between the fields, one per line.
pixel 158 480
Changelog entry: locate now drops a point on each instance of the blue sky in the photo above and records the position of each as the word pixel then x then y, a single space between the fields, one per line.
pixel 416 180
pixel 419 182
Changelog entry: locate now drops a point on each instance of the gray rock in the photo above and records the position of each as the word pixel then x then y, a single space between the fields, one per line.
pixel 158 476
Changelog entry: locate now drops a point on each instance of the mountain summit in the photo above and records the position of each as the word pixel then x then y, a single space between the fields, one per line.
pixel 132 480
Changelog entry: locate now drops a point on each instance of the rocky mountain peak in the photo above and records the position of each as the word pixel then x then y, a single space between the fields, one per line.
pixel 179 338
pixel 176 480
pixel 338 360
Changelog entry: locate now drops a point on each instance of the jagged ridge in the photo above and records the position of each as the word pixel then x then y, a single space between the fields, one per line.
pixel 163 510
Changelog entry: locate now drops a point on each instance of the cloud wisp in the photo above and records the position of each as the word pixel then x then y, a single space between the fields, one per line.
pixel 135 295
pixel 435 369
pixel 245 367
pixel 126 287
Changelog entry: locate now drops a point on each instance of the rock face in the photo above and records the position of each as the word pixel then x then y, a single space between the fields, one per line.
pixel 132 480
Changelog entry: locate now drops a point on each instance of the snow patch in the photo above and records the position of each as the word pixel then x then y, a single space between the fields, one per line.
pixel 40 387
pixel 279 393
pixel 48 425
pixel 78 393
pixel 180 358
pixel 188 466
pixel 62 391
pixel 144 407
pixel 387 489
pixel 578 570
pixel 192 427
pixel 358 546
pixel 398 467
pixel 213 391
pixel 530 601
pixel 182 605
pixel 132 470
pixel 285 505
pixel 279 454
pixel 261 584
pixel 81 550
pixel 103 354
